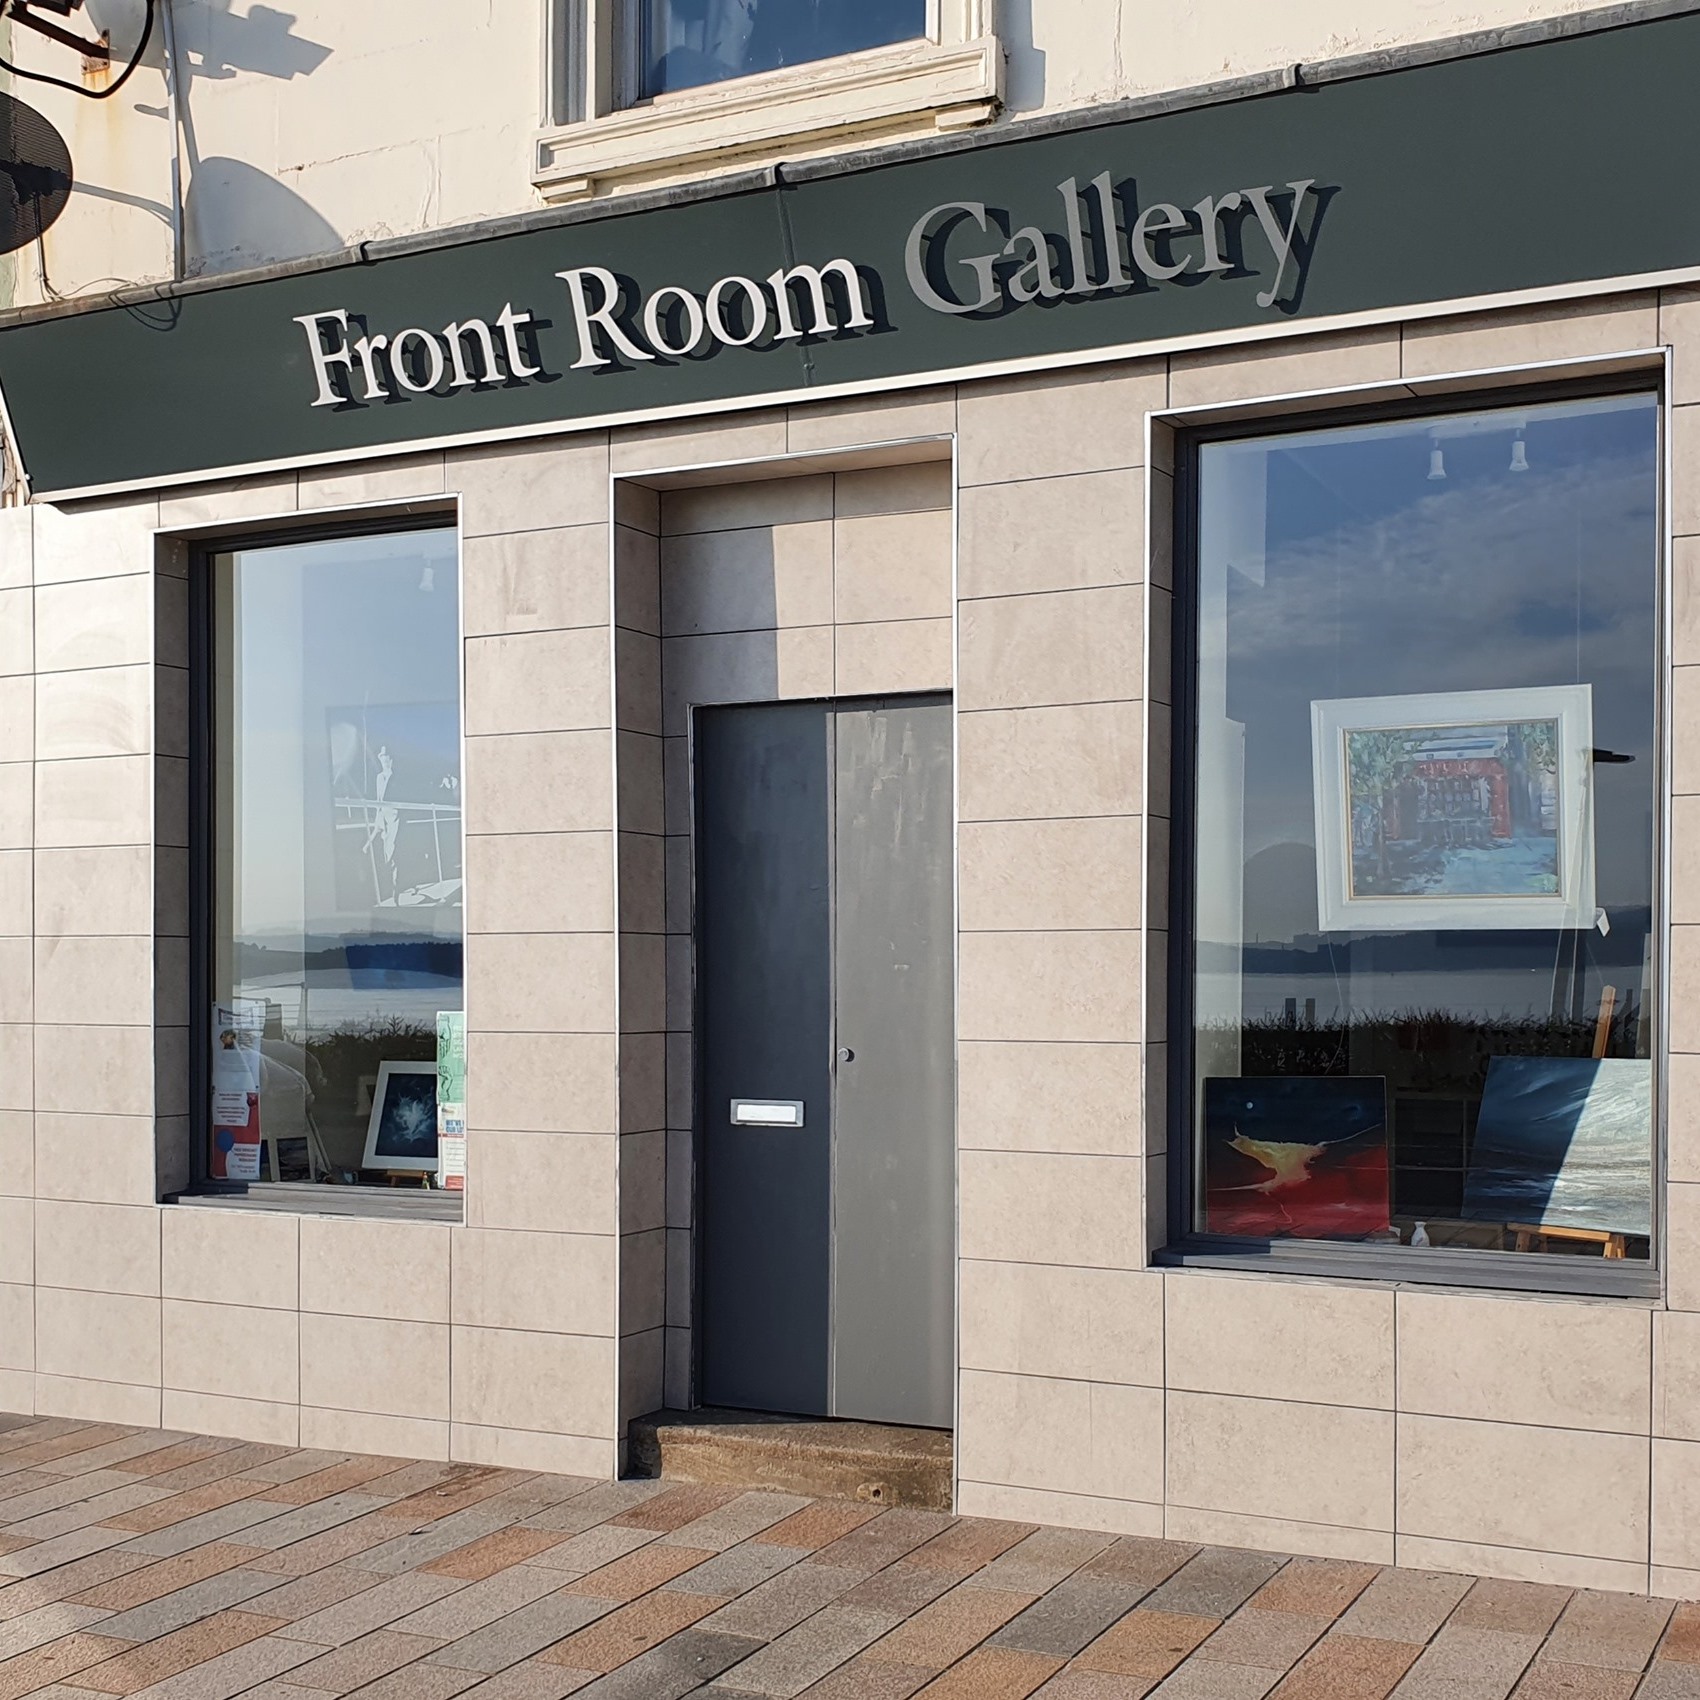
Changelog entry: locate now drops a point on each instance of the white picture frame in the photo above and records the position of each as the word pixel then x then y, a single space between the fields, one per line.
pixel 396 1094
pixel 1489 795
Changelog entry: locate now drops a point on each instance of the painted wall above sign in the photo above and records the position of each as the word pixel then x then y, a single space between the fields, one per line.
pixel 1456 181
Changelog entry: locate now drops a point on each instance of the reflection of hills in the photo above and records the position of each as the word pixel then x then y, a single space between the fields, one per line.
pixel 327 957
pixel 1280 892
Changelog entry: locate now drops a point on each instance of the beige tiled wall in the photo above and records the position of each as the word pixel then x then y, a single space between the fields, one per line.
pixel 1521 1435
pixel 824 583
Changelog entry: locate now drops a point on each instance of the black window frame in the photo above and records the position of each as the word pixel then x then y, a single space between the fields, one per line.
pixel 1488 1271
pixel 360 1200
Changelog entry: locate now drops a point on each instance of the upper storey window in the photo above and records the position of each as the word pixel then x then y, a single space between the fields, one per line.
pixel 687 43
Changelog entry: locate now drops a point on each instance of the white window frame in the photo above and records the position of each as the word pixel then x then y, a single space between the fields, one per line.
pixel 596 135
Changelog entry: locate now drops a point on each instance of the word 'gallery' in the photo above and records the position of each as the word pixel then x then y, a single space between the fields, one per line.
pixel 938 792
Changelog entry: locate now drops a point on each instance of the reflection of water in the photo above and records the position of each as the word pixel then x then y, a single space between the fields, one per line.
pixel 331 1008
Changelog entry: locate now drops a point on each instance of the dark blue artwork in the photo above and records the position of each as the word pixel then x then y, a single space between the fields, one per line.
pixel 407 1124
pixel 1564 1142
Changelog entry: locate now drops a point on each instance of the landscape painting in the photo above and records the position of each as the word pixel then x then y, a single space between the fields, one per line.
pixel 1464 811
pixel 1296 1156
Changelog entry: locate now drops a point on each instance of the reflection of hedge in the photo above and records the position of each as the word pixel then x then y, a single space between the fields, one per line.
pixel 1435 1050
pixel 353 1051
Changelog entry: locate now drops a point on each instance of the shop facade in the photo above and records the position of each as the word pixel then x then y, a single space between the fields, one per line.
pixel 1040 786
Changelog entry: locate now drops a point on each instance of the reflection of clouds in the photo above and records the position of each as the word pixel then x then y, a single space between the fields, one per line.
pixel 1479 586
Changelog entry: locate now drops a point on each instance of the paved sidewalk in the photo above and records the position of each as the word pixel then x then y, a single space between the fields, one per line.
pixel 180 1568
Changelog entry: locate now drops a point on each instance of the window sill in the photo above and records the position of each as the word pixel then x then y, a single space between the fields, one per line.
pixel 957 86
pixel 1484 1271
pixel 303 1198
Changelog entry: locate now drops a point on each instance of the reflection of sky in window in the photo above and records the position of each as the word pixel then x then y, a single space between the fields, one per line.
pixel 1379 581
pixel 356 623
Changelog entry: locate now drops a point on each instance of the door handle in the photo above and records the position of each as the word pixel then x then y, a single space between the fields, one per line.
pixel 767 1112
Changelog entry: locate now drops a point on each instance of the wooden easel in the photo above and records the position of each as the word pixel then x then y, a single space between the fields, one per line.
pixel 1524 1238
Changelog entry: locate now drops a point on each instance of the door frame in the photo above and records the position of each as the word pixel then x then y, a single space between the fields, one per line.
pixel 698 1083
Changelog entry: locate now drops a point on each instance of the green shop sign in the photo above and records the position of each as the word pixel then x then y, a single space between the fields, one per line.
pixel 1530 169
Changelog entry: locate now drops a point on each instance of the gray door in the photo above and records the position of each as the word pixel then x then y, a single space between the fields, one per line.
pixel 824 922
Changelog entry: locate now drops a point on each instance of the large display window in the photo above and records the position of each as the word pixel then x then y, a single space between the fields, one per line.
pixel 334 993
pixel 1419 898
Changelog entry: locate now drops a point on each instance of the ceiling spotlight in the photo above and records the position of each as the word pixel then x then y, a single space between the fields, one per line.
pixel 428 579
pixel 1436 461
pixel 1519 453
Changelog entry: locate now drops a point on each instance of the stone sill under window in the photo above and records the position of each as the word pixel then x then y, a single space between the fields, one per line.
pixel 302 1198
pixel 1417 1266
pixel 956 85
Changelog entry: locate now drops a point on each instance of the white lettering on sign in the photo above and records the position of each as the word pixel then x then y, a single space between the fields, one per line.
pixel 963 258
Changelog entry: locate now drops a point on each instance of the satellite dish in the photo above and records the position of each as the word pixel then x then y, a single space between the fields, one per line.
pixel 35 174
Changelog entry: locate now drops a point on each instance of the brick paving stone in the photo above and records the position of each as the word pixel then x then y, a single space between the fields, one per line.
pixel 196 1451
pixel 738 1569
pixel 1519 1608
pixel 533 1681
pixel 901 1588
pixel 122 1454
pixel 42 1556
pixel 155 1581
pixel 25 1481
pixel 993 1673
pixel 404 1546
pixel 184 1606
pixel 818 1525
pixel 738 1520
pixel 623 1634
pixel 1263 1639
pixel 802 1656
pixel 1682 1635
pixel 65 1583
pixel 152 1662
pixel 1463 1662
pixel 356 1663
pixel 1045 1558
pixel 1133 1558
pixel 490 1553
pixel 1669 1680
pixel 858 1679
pixel 887 1538
pixel 605 1500
pixel 63 1445
pixel 479 1603
pixel 346 1542
pixel 59 1491
pixel 1549 1679
pixel 769 1611
pixel 234 1672
pixel 1315 1587
pixel 970 1544
pixel 521 1633
pixel 1403 1605
pixel 680 1504
pixel 1214 1583
pixel 370 1473
pixel 1073 1683
pixel 1147 1643
pixel 679 1666
pixel 1072 1615
pixel 192 1532
pixel 47 1623
pixel 304 1521
pixel 411 1682
pixel 179 1507
pixel 460 1487
pixel 1614 1631
pixel 638 1572
pixel 376 1608
pixel 1348 1667
pixel 579 1555
pixel 940 1634
pixel 1194 1681
pixel 57 1660
pixel 307 1594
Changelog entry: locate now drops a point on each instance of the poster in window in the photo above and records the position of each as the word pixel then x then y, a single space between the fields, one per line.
pixel 1466 810
pixel 1296 1156
pixel 451 1099
pixel 237 1029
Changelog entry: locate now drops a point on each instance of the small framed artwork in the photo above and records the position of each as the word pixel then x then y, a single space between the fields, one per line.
pixel 1464 810
pixel 401 1132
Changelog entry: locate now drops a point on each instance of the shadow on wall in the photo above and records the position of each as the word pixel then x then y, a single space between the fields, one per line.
pixel 218 42
pixel 235 216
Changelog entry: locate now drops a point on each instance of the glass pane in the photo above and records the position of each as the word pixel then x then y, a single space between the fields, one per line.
pixel 687 43
pixel 337 931
pixel 1427 787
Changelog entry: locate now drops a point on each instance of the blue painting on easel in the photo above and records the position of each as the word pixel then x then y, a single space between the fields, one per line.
pixel 1564 1142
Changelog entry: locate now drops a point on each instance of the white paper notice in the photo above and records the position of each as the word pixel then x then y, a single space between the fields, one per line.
pixel 230 1108
pixel 242 1163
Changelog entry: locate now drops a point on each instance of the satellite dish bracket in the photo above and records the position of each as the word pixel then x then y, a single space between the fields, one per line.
pixel 19 10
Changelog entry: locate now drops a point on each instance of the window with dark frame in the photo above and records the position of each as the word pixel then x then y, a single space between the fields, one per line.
pixel 1416 896
pixel 329 975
